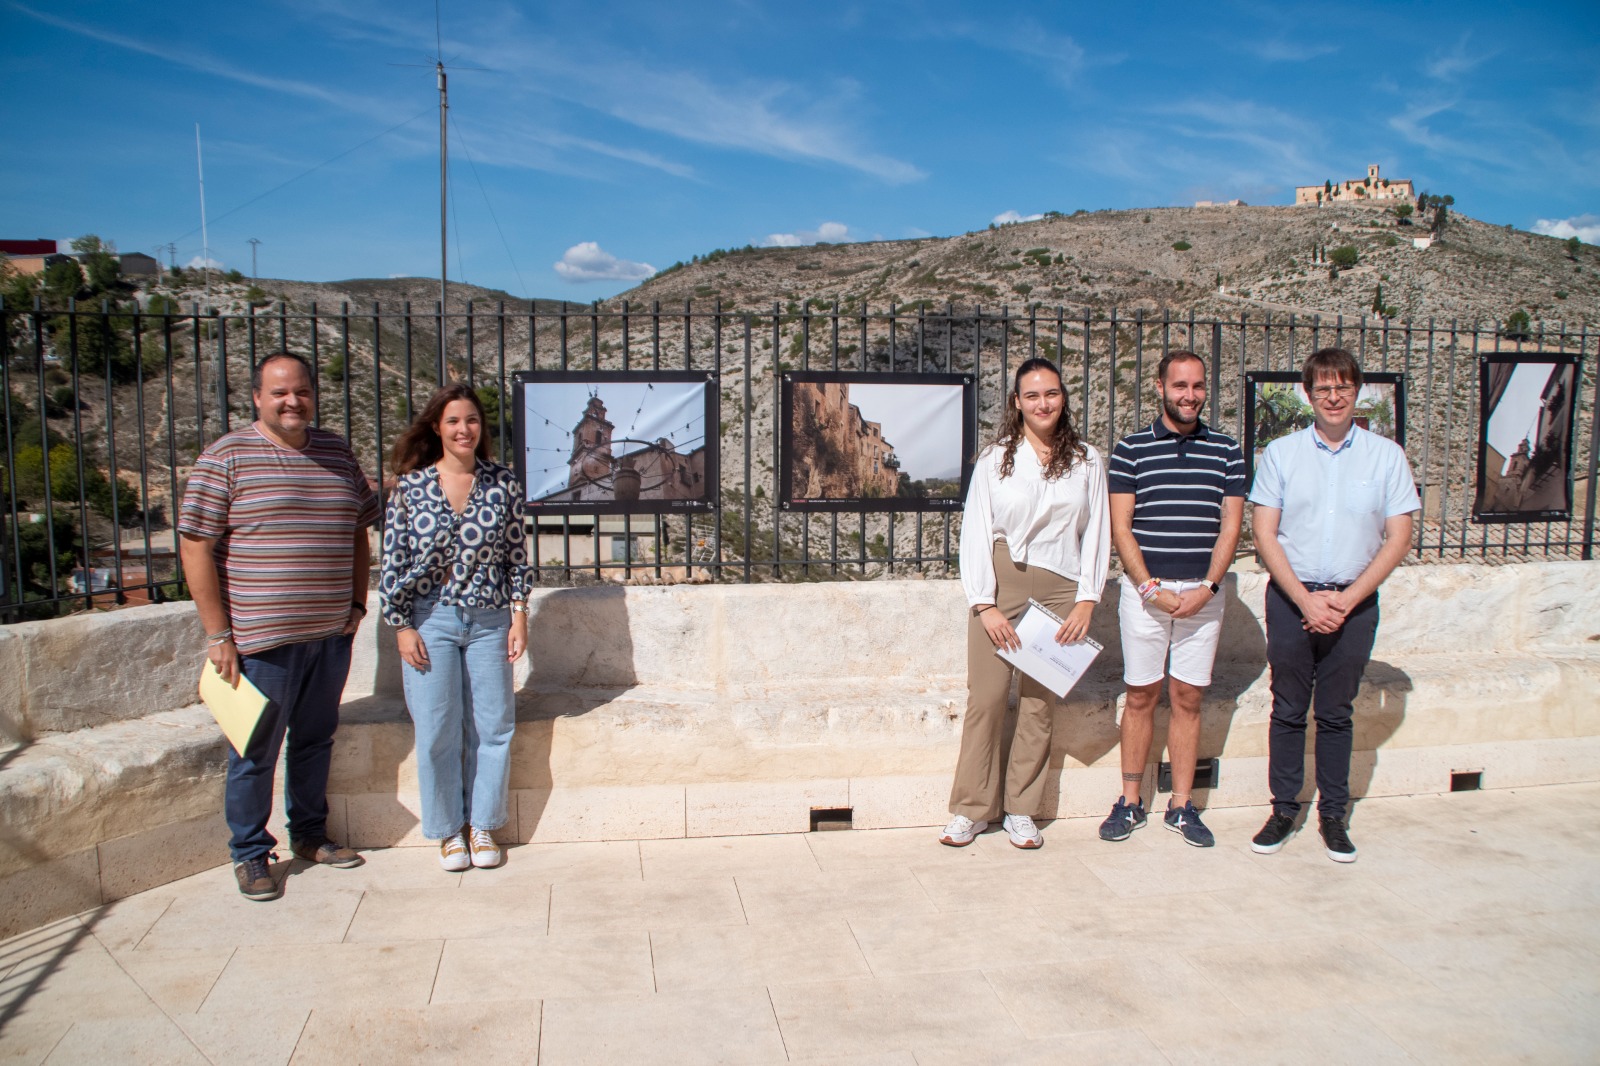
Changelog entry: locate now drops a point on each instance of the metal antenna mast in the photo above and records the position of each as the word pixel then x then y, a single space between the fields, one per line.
pixel 444 208
pixel 205 242
pixel 254 244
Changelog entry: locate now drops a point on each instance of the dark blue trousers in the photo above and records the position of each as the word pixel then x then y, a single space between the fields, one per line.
pixel 1322 670
pixel 303 682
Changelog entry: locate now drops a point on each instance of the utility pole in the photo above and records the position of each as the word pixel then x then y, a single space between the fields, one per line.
pixel 254 244
pixel 172 255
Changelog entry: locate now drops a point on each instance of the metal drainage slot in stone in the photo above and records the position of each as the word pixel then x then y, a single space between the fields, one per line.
pixel 825 819
pixel 1207 774
pixel 1466 780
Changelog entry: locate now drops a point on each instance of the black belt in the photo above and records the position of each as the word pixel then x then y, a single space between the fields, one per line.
pixel 1325 586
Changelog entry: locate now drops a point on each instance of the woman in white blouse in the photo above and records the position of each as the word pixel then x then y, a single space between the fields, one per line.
pixel 1036 526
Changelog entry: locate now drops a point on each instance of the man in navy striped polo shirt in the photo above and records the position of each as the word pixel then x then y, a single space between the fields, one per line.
pixel 1177 499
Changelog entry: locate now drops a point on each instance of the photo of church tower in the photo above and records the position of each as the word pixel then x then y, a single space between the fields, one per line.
pixel 616 444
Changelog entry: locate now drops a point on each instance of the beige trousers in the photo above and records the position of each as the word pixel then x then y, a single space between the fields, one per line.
pixel 980 776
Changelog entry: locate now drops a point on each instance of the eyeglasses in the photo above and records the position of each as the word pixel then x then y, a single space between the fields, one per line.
pixel 1322 392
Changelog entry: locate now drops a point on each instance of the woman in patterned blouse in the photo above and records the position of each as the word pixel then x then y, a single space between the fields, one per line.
pixel 455 584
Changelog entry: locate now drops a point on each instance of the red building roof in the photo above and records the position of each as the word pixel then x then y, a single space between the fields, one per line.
pixel 36 247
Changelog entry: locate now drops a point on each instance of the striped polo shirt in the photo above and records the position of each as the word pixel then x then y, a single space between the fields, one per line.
pixel 284 521
pixel 1178 483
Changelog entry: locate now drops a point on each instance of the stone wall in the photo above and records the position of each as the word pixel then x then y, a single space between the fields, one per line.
pixel 695 710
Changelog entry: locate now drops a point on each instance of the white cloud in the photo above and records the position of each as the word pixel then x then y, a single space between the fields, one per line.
pixel 1279 50
pixel 199 263
pixel 831 232
pixel 1451 65
pixel 1007 217
pixel 1584 227
pixel 589 262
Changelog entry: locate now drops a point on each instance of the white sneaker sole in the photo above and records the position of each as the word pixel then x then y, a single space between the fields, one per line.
pixel 963 841
pixel 454 864
pixel 485 861
pixel 1341 856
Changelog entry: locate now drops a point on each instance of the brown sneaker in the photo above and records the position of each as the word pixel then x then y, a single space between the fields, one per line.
pixel 255 880
pixel 485 852
pixel 326 852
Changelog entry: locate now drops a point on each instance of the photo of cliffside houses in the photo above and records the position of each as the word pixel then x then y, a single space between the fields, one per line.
pixel 616 443
pixel 1277 405
pixel 1525 441
pixel 859 442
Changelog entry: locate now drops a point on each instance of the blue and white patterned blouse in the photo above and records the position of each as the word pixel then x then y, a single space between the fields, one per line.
pixel 478 558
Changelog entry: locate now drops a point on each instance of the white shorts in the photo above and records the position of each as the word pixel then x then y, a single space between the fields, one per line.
pixel 1149 632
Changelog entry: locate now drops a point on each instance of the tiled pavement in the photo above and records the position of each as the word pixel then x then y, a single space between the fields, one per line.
pixel 1468 931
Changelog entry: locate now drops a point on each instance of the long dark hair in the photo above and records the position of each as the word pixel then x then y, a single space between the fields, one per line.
pixel 420 445
pixel 1066 447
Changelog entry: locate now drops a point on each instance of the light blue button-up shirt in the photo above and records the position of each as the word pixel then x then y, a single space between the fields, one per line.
pixel 1334 500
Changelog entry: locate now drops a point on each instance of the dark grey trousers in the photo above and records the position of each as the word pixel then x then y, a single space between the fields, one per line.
pixel 1321 670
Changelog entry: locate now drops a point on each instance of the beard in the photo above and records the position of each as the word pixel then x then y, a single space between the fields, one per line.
pixel 1177 415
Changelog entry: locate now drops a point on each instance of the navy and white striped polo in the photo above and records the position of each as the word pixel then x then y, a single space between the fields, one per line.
pixel 1178 483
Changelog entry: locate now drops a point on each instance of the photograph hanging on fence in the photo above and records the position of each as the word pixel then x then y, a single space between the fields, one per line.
pixel 617 442
pixel 1526 404
pixel 1276 404
pixel 876 442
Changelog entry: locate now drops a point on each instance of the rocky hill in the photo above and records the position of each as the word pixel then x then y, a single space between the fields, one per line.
pixel 1216 260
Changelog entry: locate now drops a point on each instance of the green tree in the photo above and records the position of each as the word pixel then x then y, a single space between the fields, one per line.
pixel 33 545
pixel 99 262
pixel 1345 256
pixel 1516 327
pixel 18 288
pixel 1403 213
pixel 63 281
pixel 1573 244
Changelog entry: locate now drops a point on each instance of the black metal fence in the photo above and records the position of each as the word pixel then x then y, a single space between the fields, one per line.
pixel 105 411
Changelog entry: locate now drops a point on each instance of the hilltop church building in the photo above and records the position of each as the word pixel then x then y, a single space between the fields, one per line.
pixel 1357 190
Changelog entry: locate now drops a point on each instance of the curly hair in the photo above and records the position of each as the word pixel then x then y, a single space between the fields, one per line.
pixel 1066 447
pixel 419 445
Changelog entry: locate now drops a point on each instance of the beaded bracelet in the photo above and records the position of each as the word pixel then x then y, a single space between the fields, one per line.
pixel 1150 590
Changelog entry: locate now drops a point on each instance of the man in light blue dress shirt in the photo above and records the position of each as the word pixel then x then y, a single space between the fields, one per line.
pixel 1333 518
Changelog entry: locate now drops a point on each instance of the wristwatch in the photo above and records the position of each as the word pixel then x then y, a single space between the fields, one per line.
pixel 1215 587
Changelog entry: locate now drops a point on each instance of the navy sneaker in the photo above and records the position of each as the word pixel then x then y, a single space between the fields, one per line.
pixel 1186 820
pixel 1274 835
pixel 1122 821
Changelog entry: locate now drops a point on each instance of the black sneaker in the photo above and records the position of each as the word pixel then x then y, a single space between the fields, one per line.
pixel 1186 821
pixel 1274 835
pixel 1122 821
pixel 255 879
pixel 1337 840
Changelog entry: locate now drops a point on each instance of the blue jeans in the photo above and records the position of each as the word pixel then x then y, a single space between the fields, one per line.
pixel 465 712
pixel 302 682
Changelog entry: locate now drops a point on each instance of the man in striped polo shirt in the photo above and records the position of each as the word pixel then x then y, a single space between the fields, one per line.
pixel 274 524
pixel 1177 499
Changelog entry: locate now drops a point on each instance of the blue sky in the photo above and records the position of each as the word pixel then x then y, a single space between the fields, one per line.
pixel 603 139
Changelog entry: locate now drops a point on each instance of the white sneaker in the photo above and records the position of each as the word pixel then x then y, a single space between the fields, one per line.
pixel 453 853
pixel 1023 833
pixel 961 831
pixel 485 852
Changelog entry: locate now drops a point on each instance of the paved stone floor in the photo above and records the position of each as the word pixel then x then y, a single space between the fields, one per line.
pixel 1468 931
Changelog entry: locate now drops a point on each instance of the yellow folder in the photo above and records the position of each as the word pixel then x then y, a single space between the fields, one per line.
pixel 237 710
